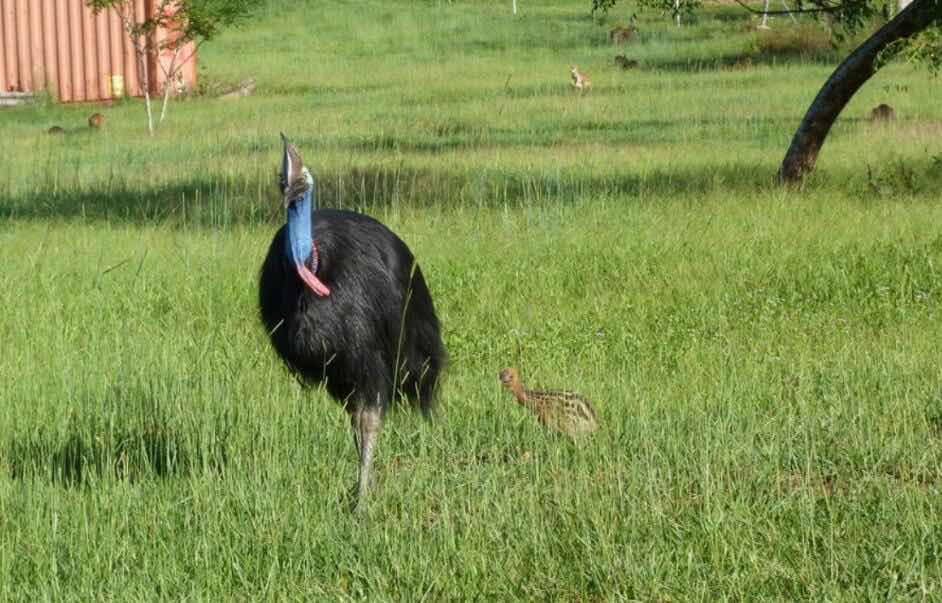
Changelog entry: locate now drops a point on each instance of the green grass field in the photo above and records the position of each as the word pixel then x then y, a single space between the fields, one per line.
pixel 765 362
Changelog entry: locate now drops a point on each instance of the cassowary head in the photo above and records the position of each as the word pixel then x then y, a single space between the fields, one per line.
pixel 295 178
pixel 509 377
pixel 297 187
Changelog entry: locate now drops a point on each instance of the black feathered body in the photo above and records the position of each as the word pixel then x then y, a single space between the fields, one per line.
pixel 376 335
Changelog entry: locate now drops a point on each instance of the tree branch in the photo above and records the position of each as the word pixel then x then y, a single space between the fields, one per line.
pixel 829 9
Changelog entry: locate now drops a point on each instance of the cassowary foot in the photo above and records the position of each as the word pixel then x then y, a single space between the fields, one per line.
pixel 367 423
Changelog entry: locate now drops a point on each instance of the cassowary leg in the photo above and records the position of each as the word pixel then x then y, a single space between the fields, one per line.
pixel 367 421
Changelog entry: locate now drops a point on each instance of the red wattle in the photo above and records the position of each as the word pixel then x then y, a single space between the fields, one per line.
pixel 313 283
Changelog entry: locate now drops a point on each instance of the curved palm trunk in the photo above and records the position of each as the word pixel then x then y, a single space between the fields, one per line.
pixel 844 83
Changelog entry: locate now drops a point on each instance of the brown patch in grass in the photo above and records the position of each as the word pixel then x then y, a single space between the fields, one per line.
pixel 830 486
pixel 918 479
pixel 621 34
pixel 743 62
pixel 911 131
pixel 804 42
pixel 818 486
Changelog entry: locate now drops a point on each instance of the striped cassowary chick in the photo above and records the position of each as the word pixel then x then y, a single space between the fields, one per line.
pixel 562 411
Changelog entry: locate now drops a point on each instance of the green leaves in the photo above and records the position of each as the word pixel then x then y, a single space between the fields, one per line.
pixel 924 49
pixel 192 20
pixel 842 18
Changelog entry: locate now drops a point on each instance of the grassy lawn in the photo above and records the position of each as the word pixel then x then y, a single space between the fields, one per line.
pixel 765 363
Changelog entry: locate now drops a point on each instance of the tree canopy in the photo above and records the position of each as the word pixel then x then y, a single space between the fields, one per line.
pixel 844 17
pixel 191 20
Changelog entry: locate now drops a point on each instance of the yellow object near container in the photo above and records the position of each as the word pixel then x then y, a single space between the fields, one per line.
pixel 117 86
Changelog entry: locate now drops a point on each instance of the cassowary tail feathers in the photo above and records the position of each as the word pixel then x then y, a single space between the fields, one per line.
pixel 425 359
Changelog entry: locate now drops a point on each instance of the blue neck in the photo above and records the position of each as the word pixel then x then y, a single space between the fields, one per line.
pixel 300 241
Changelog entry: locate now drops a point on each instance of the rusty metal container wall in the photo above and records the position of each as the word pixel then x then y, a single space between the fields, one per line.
pixel 62 47
pixel 8 65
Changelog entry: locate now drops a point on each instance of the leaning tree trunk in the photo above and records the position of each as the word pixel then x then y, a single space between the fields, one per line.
pixel 844 83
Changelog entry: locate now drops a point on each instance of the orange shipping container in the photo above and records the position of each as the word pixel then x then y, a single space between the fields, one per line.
pixel 60 46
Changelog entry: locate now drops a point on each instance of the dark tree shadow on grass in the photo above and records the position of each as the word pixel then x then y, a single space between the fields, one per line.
pixel 746 60
pixel 130 437
pixel 195 204
pixel 207 204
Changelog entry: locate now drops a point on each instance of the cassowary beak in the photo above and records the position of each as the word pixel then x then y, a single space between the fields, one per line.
pixel 293 181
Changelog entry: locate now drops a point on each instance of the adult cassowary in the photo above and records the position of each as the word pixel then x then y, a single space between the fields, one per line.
pixel 346 305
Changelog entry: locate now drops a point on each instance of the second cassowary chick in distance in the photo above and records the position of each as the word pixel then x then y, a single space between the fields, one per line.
pixel 345 304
